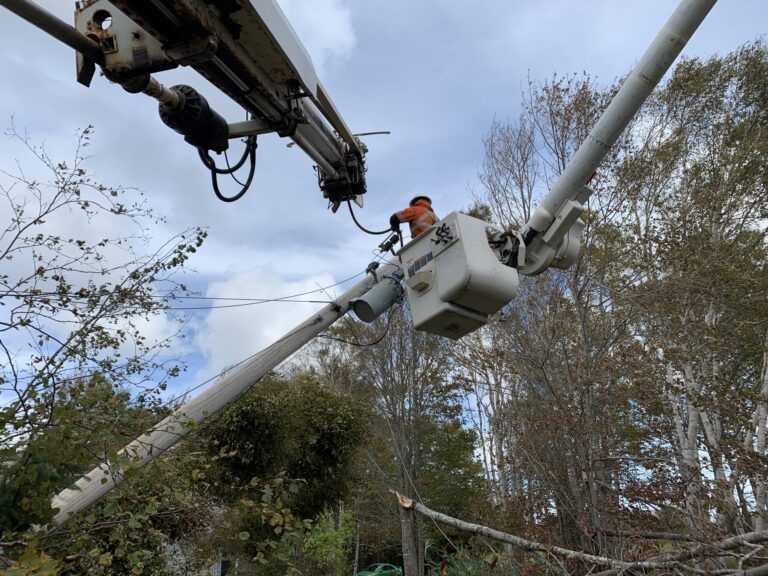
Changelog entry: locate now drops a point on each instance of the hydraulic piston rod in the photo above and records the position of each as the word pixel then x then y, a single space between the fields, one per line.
pixel 633 93
pixel 56 27
pixel 72 37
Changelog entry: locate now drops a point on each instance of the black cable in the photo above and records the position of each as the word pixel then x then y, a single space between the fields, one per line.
pixel 211 164
pixel 167 297
pixel 249 301
pixel 245 186
pixel 226 159
pixel 371 232
pixel 248 154
pixel 219 307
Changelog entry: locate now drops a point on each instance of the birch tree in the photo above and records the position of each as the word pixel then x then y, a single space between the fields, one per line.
pixel 632 387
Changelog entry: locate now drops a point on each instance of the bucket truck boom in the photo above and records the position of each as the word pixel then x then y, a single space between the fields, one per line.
pixel 456 274
pixel 246 48
pixel 552 234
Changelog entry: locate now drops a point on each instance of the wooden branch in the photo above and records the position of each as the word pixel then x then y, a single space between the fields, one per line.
pixel 666 561
pixel 757 571
pixel 528 545
pixel 722 545
pixel 673 536
pixel 715 548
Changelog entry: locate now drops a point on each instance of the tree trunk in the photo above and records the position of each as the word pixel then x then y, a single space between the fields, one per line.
pixel 357 548
pixel 759 483
pixel 687 428
pixel 409 530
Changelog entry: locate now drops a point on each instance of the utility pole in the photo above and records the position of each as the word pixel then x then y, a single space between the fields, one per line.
pixel 98 482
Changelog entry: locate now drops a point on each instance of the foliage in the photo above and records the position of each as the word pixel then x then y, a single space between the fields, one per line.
pixel 83 298
pixel 123 534
pixel 89 418
pixel 327 545
pixel 473 562
pixel 293 427
pixel 31 562
pixel 257 529
pixel 619 407
pixel 80 278
pixel 627 395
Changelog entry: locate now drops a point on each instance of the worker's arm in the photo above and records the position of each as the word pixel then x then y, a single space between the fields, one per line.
pixel 403 216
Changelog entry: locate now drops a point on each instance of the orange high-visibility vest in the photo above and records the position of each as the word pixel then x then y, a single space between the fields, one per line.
pixel 419 216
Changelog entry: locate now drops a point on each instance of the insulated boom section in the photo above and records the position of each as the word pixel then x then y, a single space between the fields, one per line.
pixel 571 187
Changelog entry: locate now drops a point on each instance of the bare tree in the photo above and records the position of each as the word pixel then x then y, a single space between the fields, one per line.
pixel 80 279
pixel 629 393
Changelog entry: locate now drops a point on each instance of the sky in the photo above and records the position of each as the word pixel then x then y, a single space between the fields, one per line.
pixel 434 73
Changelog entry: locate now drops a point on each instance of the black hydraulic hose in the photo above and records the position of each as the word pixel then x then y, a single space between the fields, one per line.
pixel 246 185
pixel 211 165
pixel 250 153
pixel 363 228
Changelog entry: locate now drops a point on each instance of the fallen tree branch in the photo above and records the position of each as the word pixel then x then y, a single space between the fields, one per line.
pixel 666 562
pixel 517 541
pixel 710 550
pixel 671 536
pixel 722 545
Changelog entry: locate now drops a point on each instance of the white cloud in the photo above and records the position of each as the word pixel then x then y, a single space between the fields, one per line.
pixel 228 335
pixel 324 27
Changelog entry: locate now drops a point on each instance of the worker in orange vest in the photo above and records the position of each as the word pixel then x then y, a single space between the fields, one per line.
pixel 419 215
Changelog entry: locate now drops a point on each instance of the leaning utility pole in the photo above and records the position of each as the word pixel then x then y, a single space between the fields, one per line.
pixel 98 482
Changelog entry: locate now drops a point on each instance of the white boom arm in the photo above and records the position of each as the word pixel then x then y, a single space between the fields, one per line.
pixel 98 482
pixel 452 274
pixel 552 234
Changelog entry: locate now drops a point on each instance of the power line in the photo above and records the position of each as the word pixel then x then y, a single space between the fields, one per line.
pixel 245 304
pixel 410 480
pixel 236 365
pixel 286 298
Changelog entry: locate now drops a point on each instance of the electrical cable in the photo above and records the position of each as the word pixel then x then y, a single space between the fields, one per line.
pixel 253 302
pixel 226 160
pixel 245 304
pixel 211 164
pixel 410 479
pixel 243 361
pixel 248 154
pixel 363 228
pixel 250 300
pixel 162 296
